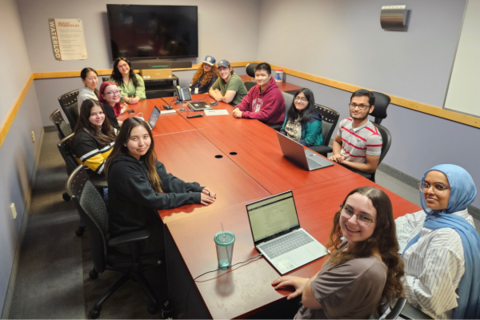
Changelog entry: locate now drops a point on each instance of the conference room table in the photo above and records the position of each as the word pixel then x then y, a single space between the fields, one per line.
pixel 240 160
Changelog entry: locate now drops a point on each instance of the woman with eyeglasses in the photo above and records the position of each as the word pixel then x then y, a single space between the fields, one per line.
pixel 139 184
pixel 110 98
pixel 441 248
pixel 131 85
pixel 302 123
pixel 363 273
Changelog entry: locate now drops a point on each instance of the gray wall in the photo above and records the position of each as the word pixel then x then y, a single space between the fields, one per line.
pixel 17 154
pixel 342 40
pixel 227 29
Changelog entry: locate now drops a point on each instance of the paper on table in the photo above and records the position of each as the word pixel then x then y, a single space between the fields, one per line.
pixel 222 112
pixel 167 111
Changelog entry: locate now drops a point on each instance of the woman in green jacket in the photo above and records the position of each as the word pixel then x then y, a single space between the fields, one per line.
pixel 130 84
pixel 302 123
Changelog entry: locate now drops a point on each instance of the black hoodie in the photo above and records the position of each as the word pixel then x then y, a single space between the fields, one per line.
pixel 131 197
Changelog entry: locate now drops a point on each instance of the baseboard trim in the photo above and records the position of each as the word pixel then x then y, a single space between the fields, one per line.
pixel 413 182
pixel 13 273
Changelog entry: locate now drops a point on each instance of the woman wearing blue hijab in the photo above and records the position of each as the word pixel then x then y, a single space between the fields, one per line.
pixel 441 248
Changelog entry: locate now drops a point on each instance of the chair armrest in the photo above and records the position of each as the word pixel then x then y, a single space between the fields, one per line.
pixel 410 312
pixel 276 126
pixel 395 311
pixel 129 238
pixel 323 150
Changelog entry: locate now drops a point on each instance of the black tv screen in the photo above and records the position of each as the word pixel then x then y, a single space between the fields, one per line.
pixel 148 32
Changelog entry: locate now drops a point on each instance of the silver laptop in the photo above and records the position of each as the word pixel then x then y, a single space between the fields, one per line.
pixel 153 118
pixel 303 158
pixel 277 234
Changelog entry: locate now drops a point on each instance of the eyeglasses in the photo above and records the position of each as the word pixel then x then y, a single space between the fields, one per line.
pixel 360 106
pixel 112 92
pixel 297 98
pixel 362 219
pixel 437 188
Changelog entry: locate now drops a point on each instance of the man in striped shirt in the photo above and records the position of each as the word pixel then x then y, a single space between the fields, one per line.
pixel 358 143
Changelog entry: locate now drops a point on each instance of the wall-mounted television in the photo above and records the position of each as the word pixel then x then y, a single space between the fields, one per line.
pixel 149 32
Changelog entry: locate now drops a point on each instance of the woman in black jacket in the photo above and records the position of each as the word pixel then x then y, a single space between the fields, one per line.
pixel 139 184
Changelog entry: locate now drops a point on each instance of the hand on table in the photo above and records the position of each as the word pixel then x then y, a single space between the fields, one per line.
pixel 210 193
pixel 296 282
pixel 237 113
pixel 206 199
pixel 218 95
pixel 337 158
pixel 133 100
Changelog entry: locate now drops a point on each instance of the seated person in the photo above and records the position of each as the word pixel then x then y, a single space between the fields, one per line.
pixel 264 101
pixel 205 77
pixel 131 85
pixel 364 271
pixel 89 91
pixel 358 143
pixel 302 123
pixel 94 137
pixel 441 248
pixel 110 99
pixel 139 184
pixel 229 88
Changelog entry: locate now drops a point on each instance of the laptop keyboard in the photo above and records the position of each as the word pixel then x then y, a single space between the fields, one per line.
pixel 286 244
pixel 313 165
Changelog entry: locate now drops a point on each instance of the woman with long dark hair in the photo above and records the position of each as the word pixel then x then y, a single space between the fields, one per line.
pixel 110 99
pixel 205 76
pixel 364 272
pixel 139 184
pixel 131 84
pixel 89 91
pixel 441 248
pixel 302 123
pixel 94 137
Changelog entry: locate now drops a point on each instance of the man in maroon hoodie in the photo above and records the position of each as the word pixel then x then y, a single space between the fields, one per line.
pixel 264 101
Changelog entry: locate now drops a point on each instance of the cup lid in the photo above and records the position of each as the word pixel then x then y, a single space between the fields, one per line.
pixel 224 238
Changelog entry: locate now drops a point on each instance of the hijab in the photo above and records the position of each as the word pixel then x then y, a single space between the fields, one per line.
pixel 462 194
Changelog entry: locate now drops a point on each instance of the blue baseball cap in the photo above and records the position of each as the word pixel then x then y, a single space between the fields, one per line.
pixel 224 63
pixel 209 60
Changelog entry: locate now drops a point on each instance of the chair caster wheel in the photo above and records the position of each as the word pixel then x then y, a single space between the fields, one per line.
pixel 167 310
pixel 79 231
pixel 95 313
pixel 152 308
pixel 65 196
pixel 93 275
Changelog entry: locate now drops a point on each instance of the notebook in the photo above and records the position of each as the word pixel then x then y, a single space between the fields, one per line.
pixel 303 158
pixel 199 105
pixel 153 118
pixel 277 234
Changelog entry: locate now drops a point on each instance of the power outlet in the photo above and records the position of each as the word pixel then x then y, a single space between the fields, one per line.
pixel 33 136
pixel 14 211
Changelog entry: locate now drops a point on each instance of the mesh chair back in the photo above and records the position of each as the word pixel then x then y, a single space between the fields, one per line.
pixel 329 122
pixel 68 102
pixel 65 148
pixel 250 69
pixel 249 84
pixel 63 128
pixel 381 103
pixel 288 101
pixel 93 212
pixel 387 140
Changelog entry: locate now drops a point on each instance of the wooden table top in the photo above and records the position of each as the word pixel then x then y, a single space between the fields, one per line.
pixel 246 288
pixel 283 86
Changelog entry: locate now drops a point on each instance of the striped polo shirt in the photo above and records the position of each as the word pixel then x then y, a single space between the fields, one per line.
pixel 358 142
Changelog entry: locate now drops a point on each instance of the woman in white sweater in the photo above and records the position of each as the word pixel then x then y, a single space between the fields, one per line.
pixel 90 79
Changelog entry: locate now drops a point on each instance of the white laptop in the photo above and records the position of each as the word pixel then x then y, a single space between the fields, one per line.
pixel 303 158
pixel 277 234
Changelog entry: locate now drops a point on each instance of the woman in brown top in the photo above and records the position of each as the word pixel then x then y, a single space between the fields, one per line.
pixel 363 273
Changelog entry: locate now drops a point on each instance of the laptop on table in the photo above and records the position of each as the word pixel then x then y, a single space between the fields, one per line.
pixel 152 121
pixel 277 234
pixel 303 158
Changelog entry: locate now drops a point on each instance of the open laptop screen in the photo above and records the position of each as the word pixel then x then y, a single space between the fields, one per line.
pixel 153 117
pixel 272 216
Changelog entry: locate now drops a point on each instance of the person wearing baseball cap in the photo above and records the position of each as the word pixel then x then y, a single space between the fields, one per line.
pixel 205 77
pixel 229 87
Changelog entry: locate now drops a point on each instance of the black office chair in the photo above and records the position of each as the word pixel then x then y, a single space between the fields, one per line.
pixel 99 181
pixel 329 122
pixel 68 102
pixel 105 79
pixel 396 309
pixel 250 69
pixel 382 101
pixel 93 211
pixel 63 129
pixel 409 312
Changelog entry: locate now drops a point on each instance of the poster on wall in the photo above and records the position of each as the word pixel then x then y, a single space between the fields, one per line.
pixel 68 39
